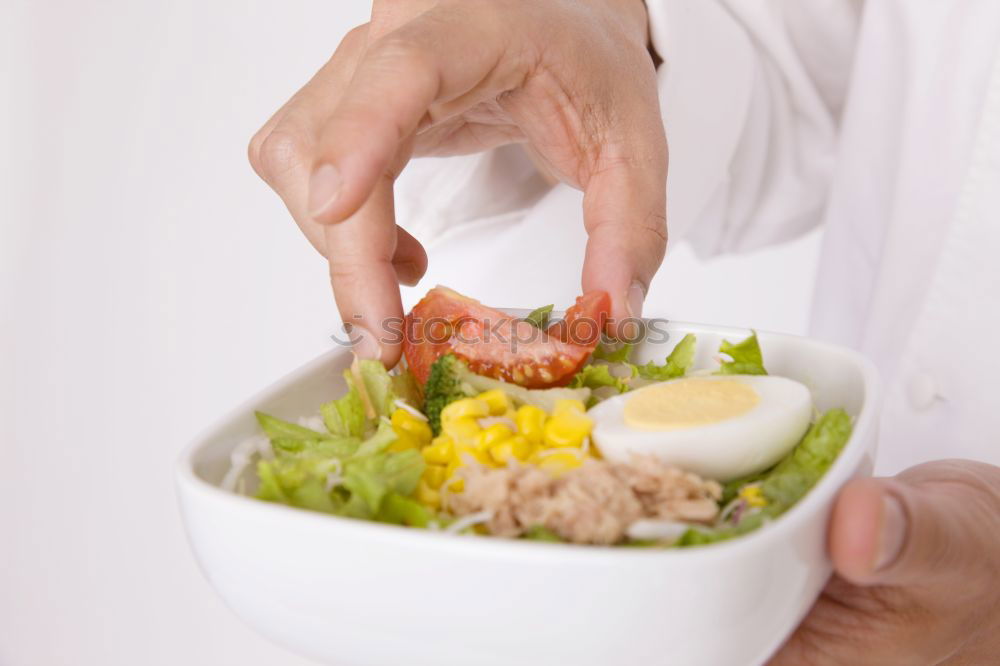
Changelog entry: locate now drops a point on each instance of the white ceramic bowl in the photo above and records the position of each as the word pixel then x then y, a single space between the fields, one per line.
pixel 355 593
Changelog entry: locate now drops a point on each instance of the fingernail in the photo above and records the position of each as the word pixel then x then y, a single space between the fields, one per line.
pixel 364 344
pixel 631 330
pixel 324 187
pixel 635 298
pixel 407 273
pixel 892 533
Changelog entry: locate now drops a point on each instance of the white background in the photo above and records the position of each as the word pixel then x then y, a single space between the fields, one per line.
pixel 150 282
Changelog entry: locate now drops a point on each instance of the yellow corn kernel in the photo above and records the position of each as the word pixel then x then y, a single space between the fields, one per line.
pixel 453 465
pixel 464 408
pixel 497 401
pixel 522 448
pixel 450 479
pixel 572 406
pixel 405 422
pixel 530 422
pixel 753 496
pixel 434 475
pixel 440 452
pixel 560 463
pixel 404 441
pixel 516 447
pixel 462 450
pixel 494 434
pixel 567 429
pixel 464 430
pixel 426 495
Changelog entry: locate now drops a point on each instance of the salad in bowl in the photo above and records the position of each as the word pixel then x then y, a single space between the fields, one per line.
pixel 537 429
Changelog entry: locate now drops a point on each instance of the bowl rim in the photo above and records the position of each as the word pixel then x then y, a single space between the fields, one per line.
pixel 189 483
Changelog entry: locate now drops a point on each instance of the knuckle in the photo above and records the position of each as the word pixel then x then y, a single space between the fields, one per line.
pixel 356 36
pixel 354 273
pixel 280 152
pixel 410 50
pixel 397 45
pixel 402 52
pixel 253 149
pixel 656 224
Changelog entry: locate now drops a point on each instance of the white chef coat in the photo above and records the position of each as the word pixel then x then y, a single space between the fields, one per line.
pixel 878 119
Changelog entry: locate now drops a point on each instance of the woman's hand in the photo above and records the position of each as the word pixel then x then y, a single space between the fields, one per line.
pixel 571 78
pixel 917 561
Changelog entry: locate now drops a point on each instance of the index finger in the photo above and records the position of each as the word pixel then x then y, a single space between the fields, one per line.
pixel 364 280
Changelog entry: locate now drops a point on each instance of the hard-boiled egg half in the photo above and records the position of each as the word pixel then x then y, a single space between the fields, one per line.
pixel 721 427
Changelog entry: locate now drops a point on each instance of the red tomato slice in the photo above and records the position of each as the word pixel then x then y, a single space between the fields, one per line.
pixel 498 345
pixel 584 322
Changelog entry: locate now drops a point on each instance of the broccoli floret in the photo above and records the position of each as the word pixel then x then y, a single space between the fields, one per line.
pixel 450 379
pixel 445 384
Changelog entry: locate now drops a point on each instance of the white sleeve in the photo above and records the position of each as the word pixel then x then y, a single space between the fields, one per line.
pixel 751 94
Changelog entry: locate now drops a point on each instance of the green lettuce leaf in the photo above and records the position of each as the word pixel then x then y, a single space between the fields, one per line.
pixel 704 536
pixel 373 477
pixel 677 363
pixel 269 486
pixel 339 447
pixel 596 376
pixel 787 482
pixel 290 438
pixel 539 317
pixel 345 416
pixel 367 471
pixel 746 357
pixel 399 510
pixel 613 352
pixel 299 482
pixel 350 470
pixel 356 507
pixel 312 494
pixel 799 471
pixel 377 443
pixel 378 385
pixel 276 428
pixel 541 533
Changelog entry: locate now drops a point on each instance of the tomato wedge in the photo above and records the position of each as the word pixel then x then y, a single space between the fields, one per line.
pixel 584 321
pixel 499 345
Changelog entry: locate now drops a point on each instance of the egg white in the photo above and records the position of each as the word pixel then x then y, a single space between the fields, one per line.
pixel 724 450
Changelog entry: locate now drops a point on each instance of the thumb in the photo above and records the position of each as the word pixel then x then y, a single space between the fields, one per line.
pixel 933 524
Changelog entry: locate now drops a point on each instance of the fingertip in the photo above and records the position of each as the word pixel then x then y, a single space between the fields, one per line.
pixel 390 348
pixel 627 298
pixel 381 342
pixel 605 270
pixel 854 530
pixel 410 258
pixel 408 273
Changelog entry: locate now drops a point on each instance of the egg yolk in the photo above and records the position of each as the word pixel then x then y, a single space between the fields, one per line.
pixel 688 403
